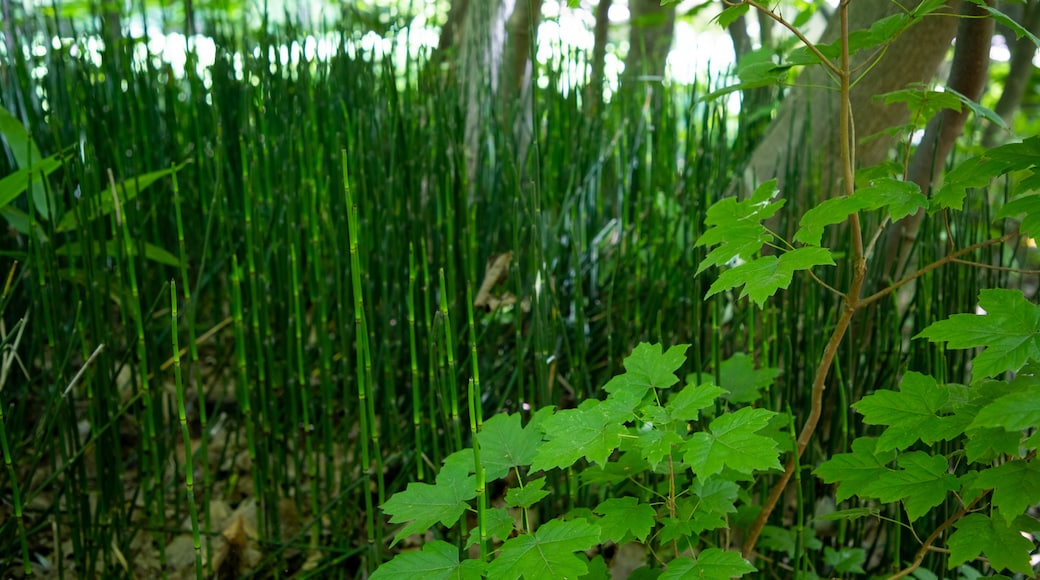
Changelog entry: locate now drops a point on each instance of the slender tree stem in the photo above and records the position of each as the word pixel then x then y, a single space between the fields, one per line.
pixel 927 545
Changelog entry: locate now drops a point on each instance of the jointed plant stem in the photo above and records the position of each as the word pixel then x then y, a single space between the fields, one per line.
pixel 851 298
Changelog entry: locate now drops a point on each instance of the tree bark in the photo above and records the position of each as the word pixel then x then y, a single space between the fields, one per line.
pixel 597 76
pixel 809 111
pixel 650 39
pixel 1019 73
pixel 453 30
pixel 968 76
pixel 495 72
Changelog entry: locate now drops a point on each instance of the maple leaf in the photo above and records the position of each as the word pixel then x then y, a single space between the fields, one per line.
pixel 921 484
pixel 498 522
pixel 986 444
pixel 789 539
pixel 527 495
pixel 854 472
pixel 900 198
pixel 711 563
pixel 656 444
pixel 550 552
pixel 1010 331
pixel 592 431
pixel 437 561
pixel 1015 485
pixel 845 560
pixel 622 517
pixel 1003 544
pixel 1014 411
pixel 912 413
pixel 743 381
pixel 732 443
pixel 687 403
pixel 647 368
pixel 736 226
pixel 423 504
pixel 504 444
pixel 762 277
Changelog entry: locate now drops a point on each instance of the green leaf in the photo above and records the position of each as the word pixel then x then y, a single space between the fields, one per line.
pixel 656 444
pixel 504 444
pixel 1008 21
pixel 731 14
pixel 592 431
pixel 528 495
pixel 711 563
pixel 1028 207
pixel 1015 485
pixel 29 160
pixel 762 277
pixel 921 102
pixel 648 368
pixel 1003 544
pixel 986 444
pixel 437 561
pixel 713 498
pixel 788 539
pixel 736 226
pixel 687 403
pixel 423 505
pixel 623 518
pixel 102 203
pixel 827 213
pixel 846 560
pixel 732 443
pixel 921 484
pixel 499 522
pixel 1013 412
pixel 13 185
pixel 1009 331
pixel 912 413
pixel 547 553
pixel 743 381
pixel 855 472
pixel 900 198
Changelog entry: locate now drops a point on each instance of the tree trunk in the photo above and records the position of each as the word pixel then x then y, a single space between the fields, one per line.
pixel 650 39
pixel 496 72
pixel 968 76
pixel 453 30
pixel 1019 73
pixel 809 113
pixel 597 76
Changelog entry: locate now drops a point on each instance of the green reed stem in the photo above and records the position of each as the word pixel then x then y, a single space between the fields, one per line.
pixel 362 366
pixel 5 448
pixel 192 370
pixel 157 511
pixel 449 352
pixel 242 390
pixel 417 407
pixel 189 464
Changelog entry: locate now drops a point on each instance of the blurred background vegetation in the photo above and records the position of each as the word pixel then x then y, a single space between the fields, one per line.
pixel 256 253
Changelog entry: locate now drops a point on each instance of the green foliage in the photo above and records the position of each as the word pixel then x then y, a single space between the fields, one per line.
pixel 643 424
pixel 994 420
pixel 1008 331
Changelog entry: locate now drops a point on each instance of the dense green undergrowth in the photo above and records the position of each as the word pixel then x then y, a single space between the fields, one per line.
pixel 239 318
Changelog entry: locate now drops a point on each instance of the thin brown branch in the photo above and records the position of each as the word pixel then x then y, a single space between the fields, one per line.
pixel 794 30
pixel 851 299
pixel 997 268
pixel 926 546
pixel 933 266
